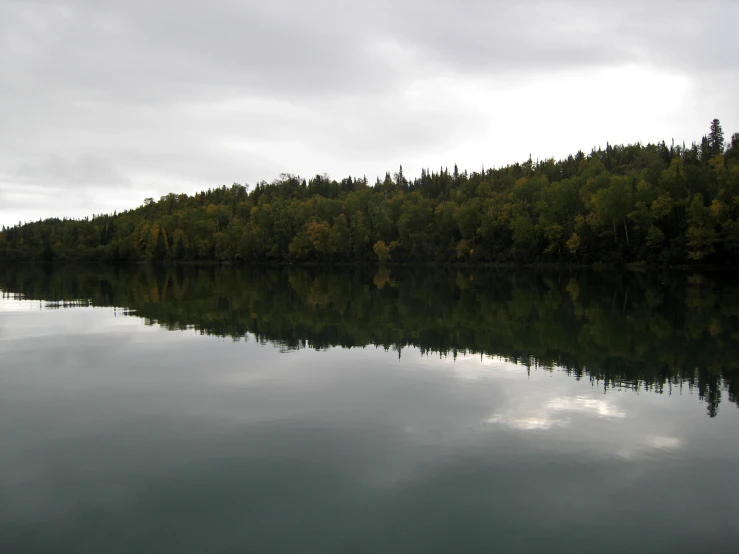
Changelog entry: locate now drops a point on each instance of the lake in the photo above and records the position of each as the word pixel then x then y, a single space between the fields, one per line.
pixel 373 410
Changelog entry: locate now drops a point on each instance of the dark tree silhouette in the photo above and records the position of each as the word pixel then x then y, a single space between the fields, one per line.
pixel 716 138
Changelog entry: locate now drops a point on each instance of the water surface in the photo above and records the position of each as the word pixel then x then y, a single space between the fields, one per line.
pixel 244 410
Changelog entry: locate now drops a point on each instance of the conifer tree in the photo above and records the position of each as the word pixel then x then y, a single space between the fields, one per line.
pixel 716 138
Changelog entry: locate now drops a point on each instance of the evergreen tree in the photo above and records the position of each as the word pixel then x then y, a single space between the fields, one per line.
pixel 716 138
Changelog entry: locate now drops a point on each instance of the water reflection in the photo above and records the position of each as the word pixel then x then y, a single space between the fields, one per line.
pixel 119 437
pixel 657 332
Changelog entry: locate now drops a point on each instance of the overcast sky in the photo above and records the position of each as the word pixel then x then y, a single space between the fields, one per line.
pixel 105 102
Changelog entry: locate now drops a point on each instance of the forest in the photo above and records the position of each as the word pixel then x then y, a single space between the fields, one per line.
pixel 654 203
pixel 659 331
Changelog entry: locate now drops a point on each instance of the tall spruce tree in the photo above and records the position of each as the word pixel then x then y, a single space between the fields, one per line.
pixel 716 138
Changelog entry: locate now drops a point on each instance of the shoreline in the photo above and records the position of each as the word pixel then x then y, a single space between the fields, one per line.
pixel 597 266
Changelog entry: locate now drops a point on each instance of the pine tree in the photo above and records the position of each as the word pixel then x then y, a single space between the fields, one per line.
pixel 716 138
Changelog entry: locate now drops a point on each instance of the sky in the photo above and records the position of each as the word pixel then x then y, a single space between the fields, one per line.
pixel 104 102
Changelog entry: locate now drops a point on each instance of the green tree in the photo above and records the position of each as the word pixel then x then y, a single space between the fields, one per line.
pixel 716 138
pixel 701 233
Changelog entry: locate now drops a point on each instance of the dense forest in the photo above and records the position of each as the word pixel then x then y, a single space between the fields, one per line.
pixel 628 330
pixel 623 204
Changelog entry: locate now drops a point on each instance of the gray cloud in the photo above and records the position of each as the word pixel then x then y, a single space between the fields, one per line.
pixel 545 35
pixel 173 96
pixel 164 51
pixel 88 171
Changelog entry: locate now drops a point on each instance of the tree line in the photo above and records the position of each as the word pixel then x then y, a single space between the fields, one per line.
pixel 663 332
pixel 649 203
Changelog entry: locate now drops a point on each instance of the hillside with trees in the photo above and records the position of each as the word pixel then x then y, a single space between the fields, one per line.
pixel 655 203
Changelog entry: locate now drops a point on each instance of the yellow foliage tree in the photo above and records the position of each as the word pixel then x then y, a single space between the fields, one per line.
pixel 573 243
pixel 382 251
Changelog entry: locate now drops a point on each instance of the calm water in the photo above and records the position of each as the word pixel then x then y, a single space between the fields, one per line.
pixel 239 410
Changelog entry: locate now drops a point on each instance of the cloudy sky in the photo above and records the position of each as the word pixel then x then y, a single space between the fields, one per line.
pixel 106 102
